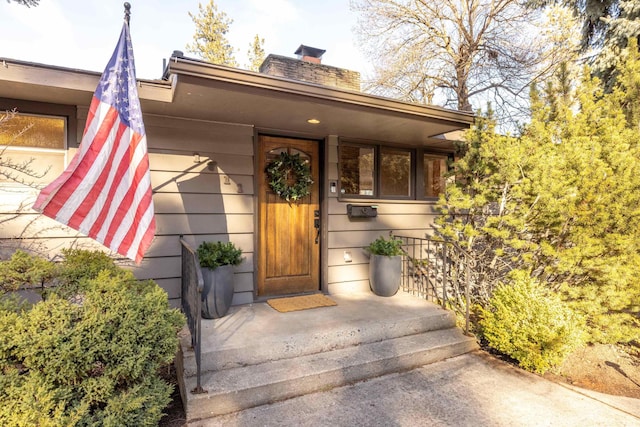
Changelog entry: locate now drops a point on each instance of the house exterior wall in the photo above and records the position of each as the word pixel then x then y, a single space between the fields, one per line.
pixel 199 200
pixel 210 199
pixel 353 235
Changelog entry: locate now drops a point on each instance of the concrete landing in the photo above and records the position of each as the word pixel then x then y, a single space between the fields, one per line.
pixel 256 355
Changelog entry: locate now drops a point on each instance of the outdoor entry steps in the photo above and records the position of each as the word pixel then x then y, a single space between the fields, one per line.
pixel 263 358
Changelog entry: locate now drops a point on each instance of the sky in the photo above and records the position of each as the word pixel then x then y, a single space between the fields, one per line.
pixel 83 33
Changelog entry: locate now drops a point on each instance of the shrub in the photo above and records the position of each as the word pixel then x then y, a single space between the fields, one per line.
pixel 23 269
pixel 79 266
pixel 381 246
pixel 88 360
pixel 216 254
pixel 530 324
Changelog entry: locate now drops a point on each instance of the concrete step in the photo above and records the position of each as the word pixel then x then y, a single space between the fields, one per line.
pixel 253 349
pixel 239 388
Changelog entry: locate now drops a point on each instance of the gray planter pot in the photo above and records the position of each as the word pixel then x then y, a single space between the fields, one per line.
pixel 218 291
pixel 385 274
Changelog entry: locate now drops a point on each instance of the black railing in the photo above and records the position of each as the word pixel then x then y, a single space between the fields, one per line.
pixel 439 271
pixel 192 285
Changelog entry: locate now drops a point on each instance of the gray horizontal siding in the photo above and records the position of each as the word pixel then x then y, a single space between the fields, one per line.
pixel 204 198
pixel 408 218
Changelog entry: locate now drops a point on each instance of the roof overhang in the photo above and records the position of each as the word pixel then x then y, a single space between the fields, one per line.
pixel 268 102
pixel 203 91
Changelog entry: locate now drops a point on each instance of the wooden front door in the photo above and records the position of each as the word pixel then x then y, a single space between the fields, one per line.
pixel 289 248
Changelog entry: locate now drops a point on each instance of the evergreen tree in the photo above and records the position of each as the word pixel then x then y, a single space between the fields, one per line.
pixel 607 25
pixel 209 40
pixel 560 202
pixel 255 53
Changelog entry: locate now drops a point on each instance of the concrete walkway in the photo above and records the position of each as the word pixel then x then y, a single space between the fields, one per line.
pixel 469 390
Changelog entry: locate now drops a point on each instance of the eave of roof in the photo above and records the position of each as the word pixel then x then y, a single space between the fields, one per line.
pixel 199 90
pixel 201 69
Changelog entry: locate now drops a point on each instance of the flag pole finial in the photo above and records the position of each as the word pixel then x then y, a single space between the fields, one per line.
pixel 127 11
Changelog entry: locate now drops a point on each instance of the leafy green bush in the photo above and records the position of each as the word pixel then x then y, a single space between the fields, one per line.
pixel 88 360
pixel 382 246
pixel 80 265
pixel 215 254
pixel 23 269
pixel 530 324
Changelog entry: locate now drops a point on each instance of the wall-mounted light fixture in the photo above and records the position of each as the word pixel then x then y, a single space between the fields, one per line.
pixel 313 121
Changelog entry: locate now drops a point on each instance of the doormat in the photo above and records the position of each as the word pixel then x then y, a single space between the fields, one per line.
pixel 305 302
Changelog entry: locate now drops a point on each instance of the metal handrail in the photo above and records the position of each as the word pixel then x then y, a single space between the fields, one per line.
pixel 437 270
pixel 192 286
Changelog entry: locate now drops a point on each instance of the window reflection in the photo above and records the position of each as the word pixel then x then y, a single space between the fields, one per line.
pixel 25 130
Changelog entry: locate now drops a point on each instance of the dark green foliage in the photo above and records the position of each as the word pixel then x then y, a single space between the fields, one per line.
pixel 382 246
pixel 215 254
pixel 531 324
pixel 607 27
pixel 289 176
pixel 24 270
pixel 92 359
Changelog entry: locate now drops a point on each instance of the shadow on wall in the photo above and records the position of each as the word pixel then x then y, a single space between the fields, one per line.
pixel 190 203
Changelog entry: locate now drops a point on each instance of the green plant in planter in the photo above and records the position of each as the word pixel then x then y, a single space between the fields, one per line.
pixel 217 260
pixel 385 266
pixel 384 247
pixel 216 254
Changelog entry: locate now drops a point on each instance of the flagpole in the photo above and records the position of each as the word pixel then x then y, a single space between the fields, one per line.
pixel 127 12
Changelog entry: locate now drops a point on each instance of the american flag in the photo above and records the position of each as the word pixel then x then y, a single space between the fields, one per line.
pixel 105 192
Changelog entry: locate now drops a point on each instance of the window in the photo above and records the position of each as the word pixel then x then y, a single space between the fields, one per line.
pixel 26 130
pixel 434 169
pixel 374 171
pixel 395 172
pixel 357 170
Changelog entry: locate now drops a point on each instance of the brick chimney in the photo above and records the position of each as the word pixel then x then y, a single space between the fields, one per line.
pixel 308 67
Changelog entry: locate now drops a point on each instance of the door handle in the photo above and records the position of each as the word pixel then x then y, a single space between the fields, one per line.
pixel 316 224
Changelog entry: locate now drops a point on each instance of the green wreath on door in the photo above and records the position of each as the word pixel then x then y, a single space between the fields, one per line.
pixel 289 176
